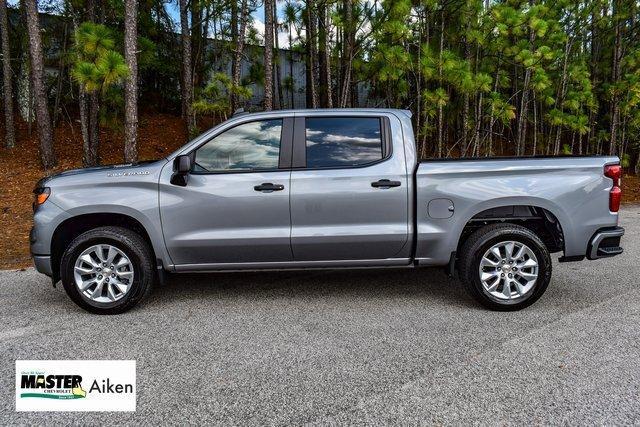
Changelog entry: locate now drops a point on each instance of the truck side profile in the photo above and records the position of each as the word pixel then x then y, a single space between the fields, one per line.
pixel 336 188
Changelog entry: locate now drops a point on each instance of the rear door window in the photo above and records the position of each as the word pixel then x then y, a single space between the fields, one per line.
pixel 343 141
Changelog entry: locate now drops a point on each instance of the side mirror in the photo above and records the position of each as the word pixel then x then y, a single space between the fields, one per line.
pixel 181 169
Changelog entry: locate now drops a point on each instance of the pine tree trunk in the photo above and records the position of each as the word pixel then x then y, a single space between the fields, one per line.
pixel 131 84
pixel 204 37
pixel 84 124
pixel 535 125
pixel 93 156
pixel 237 53
pixel 476 132
pixel 524 101
pixel 465 124
pixel 84 116
pixel 327 62
pixel 492 120
pixel 465 97
pixel 196 42
pixel 478 111
pixel 268 55
pixel 418 79
pixel 40 94
pixel 233 24
pixel 440 108
pixel 561 95
pixel 292 88
pixel 593 64
pixel 580 144
pixel 323 57
pixel 347 54
pixel 10 132
pixel 340 67
pixel 312 69
pixel 187 77
pixel 278 74
pixel 522 118
pixel 89 154
pixel 524 106
pixel 425 125
pixel 94 100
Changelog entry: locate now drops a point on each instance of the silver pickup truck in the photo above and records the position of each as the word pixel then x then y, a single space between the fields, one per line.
pixel 322 189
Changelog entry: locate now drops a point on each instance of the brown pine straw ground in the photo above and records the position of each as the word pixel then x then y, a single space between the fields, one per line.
pixel 158 136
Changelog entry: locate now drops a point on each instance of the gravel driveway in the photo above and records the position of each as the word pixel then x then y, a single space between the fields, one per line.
pixel 356 347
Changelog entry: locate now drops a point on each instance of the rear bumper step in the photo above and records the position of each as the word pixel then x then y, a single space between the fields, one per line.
pixel 605 243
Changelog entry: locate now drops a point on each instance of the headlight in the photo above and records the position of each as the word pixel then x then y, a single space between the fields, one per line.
pixel 41 196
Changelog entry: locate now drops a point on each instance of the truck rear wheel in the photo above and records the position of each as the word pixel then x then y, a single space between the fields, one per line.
pixel 505 267
pixel 107 270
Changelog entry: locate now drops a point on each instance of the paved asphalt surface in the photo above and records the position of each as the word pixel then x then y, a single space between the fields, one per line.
pixel 356 347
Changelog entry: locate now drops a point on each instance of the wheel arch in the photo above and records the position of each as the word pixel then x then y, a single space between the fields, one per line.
pixel 74 226
pixel 543 221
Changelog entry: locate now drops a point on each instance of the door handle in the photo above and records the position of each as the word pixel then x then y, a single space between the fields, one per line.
pixel 385 183
pixel 267 187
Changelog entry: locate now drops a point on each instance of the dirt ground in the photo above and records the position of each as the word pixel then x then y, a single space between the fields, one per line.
pixel 159 135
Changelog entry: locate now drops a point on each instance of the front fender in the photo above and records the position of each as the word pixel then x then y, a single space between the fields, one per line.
pixel 130 191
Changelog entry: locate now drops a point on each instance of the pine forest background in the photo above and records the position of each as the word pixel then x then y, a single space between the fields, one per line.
pixel 482 78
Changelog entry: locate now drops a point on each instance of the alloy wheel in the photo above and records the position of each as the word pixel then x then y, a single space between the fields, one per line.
pixel 103 273
pixel 508 270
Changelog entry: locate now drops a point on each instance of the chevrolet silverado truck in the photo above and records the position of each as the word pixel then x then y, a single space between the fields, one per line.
pixel 306 189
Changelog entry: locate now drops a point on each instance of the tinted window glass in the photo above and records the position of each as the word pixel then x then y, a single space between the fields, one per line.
pixel 348 141
pixel 249 146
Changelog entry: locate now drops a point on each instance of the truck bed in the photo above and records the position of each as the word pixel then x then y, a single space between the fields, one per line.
pixel 450 192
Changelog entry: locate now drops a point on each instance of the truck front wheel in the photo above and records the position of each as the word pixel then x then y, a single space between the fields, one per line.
pixel 505 267
pixel 107 270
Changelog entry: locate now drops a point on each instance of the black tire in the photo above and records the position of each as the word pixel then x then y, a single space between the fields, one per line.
pixel 480 242
pixel 133 246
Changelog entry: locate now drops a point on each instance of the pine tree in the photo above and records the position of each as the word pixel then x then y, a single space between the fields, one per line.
pixel 290 19
pixel 97 69
pixel 239 35
pixel 268 54
pixel 131 85
pixel 187 75
pixel 10 133
pixel 43 119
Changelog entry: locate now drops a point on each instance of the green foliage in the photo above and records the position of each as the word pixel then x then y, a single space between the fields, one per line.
pixel 215 98
pixel 97 66
pixel 93 40
pixel 504 68
pixel 472 72
pixel 500 109
pixel 625 160
pixel 147 56
pixel 112 108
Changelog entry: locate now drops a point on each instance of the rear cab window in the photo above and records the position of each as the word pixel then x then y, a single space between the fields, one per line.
pixel 339 142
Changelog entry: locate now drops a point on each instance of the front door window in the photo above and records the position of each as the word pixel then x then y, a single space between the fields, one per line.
pixel 253 146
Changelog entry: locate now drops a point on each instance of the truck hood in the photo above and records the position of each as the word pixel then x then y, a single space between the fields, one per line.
pixel 129 170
